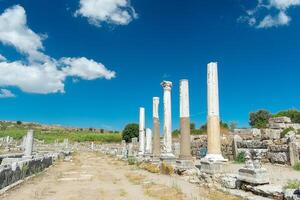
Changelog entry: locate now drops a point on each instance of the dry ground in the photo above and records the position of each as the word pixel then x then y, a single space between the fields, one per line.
pixel 92 176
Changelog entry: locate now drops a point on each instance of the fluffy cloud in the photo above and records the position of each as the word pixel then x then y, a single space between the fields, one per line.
pixel 14 31
pixel 4 93
pixel 41 73
pixel 86 69
pixel 118 12
pixel 2 58
pixel 277 16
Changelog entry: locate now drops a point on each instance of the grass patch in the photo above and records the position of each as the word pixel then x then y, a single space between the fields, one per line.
pixel 163 192
pixel 60 135
pixel 296 166
pixel 217 195
pixel 136 179
pixel 166 168
pixel 292 184
pixel 241 157
pixel 285 131
pixel 123 193
pixel 150 167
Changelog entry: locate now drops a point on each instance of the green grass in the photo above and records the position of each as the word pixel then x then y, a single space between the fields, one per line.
pixel 296 166
pixel 240 157
pixel 292 184
pixel 60 135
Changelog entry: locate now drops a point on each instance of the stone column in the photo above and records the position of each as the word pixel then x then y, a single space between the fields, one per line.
pixel 156 128
pixel 213 119
pixel 142 132
pixel 29 144
pixel 148 141
pixel 185 136
pixel 167 85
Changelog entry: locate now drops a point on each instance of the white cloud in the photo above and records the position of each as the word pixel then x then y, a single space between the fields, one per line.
pixel 2 58
pixel 14 31
pixel 41 74
pixel 274 21
pixel 34 78
pixel 4 93
pixel 119 12
pixel 86 69
pixel 277 16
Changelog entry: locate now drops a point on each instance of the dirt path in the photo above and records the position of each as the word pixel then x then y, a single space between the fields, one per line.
pixel 92 176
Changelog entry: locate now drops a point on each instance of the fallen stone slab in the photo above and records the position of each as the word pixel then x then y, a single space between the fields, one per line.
pixel 270 191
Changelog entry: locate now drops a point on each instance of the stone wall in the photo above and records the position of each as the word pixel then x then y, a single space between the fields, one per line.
pixel 273 146
pixel 15 169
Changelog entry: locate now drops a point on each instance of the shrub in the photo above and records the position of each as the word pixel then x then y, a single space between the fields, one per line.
pixel 241 157
pixel 296 166
pixel 259 119
pixel 292 184
pixel 131 160
pixel 167 169
pixel 285 131
pixel 150 167
pixel 130 131
pixel 293 114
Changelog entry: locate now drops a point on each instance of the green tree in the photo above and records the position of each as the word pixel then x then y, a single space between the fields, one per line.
pixel 19 123
pixel 192 126
pixel 293 114
pixel 130 131
pixel 259 119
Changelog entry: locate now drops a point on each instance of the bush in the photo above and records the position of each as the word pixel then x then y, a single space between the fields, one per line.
pixel 294 115
pixel 130 131
pixel 131 160
pixel 297 166
pixel 259 119
pixel 167 169
pixel 150 167
pixel 241 157
pixel 285 131
pixel 292 184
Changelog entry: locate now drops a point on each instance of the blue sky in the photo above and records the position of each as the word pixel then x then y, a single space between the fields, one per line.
pixel 111 59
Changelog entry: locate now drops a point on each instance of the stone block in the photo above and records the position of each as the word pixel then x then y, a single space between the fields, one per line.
pixel 292 194
pixel 277 126
pixel 278 157
pixel 279 148
pixel 210 167
pixel 229 182
pixel 253 176
pixel 271 133
pixel 280 120
pixel 294 153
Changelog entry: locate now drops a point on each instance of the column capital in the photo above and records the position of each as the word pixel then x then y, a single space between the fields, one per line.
pixel 167 85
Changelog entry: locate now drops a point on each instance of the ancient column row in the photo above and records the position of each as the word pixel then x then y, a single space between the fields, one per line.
pixel 213 121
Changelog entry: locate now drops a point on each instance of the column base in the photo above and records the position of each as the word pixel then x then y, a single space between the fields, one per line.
pixel 213 164
pixel 214 158
pixel 169 158
pixel 184 164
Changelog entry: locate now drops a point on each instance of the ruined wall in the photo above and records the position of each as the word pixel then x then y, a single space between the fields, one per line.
pixel 15 169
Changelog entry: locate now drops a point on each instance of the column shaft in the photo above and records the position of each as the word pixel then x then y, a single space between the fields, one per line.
pixel 185 136
pixel 167 116
pixel 156 128
pixel 142 131
pixel 213 119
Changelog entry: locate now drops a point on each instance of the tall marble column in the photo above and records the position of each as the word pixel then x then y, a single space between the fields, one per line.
pixel 29 144
pixel 148 148
pixel 167 85
pixel 142 132
pixel 156 128
pixel 213 119
pixel 185 136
